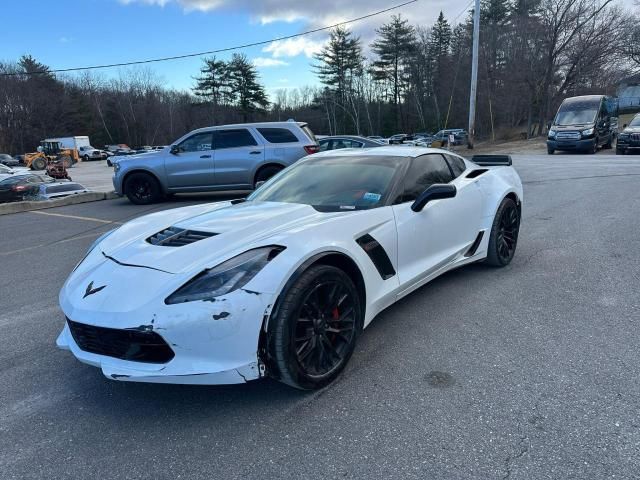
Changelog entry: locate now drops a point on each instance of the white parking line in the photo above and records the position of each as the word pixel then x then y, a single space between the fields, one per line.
pixel 76 217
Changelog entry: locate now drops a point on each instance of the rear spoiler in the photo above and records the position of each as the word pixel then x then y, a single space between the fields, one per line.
pixel 492 160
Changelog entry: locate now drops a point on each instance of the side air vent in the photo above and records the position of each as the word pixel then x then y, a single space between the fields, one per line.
pixel 474 246
pixel 476 173
pixel 177 237
pixel 378 256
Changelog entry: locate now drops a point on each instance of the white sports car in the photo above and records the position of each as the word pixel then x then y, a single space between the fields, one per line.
pixel 283 283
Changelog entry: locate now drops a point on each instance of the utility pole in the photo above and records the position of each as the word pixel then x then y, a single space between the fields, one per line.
pixel 474 76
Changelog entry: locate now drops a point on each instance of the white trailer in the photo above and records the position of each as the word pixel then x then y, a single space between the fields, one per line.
pixel 71 142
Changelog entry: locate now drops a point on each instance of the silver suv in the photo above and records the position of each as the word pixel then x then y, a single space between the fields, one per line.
pixel 228 157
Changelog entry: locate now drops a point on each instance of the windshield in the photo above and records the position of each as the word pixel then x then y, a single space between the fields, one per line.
pixel 333 184
pixel 576 113
pixel 635 122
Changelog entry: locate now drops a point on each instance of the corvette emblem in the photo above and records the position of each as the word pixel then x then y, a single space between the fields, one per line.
pixel 90 290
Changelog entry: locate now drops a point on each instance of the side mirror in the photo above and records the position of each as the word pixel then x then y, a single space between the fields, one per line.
pixel 437 191
pixel 175 149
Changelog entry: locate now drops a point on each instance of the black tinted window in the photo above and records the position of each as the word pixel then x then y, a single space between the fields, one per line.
pixel 423 172
pixel 233 138
pixel 197 143
pixel 457 165
pixel 277 135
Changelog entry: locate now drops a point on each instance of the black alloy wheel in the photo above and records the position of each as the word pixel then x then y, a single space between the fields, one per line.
pixel 142 189
pixel 504 234
pixel 325 328
pixel 314 329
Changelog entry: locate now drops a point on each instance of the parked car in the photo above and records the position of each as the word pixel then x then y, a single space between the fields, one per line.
pixel 5 170
pixel 347 141
pixel 186 295
pixel 228 157
pixel 14 188
pixel 399 138
pixel 582 124
pixel 459 136
pixel 8 160
pixel 51 190
pixel 90 153
pixel 629 138
pixel 377 137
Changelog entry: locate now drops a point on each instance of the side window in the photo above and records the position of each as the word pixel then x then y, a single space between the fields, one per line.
pixel 325 145
pixel 457 165
pixel 277 135
pixel 233 138
pixel 423 172
pixel 196 143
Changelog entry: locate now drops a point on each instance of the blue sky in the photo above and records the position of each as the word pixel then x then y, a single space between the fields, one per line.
pixel 85 32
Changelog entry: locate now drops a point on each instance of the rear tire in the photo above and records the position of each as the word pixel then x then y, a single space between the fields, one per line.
pixel 142 189
pixel 85 158
pixel 504 234
pixel 314 330
pixel 39 164
pixel 266 173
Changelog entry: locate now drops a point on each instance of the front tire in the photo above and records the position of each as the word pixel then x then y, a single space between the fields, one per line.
pixel 504 234
pixel 550 151
pixel 314 330
pixel 142 189
pixel 620 151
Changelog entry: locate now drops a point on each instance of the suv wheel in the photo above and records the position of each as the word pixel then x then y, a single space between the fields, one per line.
pixel 265 174
pixel 142 189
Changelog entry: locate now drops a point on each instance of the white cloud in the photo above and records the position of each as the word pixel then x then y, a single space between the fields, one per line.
pixel 292 47
pixel 262 62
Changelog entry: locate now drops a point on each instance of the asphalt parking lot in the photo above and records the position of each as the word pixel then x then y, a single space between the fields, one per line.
pixel 525 372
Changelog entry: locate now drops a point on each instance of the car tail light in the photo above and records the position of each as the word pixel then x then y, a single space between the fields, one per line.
pixel 311 149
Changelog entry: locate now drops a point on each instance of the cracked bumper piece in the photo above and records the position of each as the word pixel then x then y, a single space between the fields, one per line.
pixel 207 343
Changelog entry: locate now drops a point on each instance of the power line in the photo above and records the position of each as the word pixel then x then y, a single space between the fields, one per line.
pixel 210 52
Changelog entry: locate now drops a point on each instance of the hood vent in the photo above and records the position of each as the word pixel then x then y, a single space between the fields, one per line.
pixel 177 237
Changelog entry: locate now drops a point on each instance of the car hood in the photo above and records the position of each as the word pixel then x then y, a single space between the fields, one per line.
pixel 631 130
pixel 236 228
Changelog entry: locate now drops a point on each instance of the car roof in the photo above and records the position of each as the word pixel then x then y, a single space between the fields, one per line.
pixel 253 124
pixel 348 137
pixel 383 151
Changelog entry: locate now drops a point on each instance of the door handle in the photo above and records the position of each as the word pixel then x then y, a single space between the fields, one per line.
pixel 255 152
pixel 205 156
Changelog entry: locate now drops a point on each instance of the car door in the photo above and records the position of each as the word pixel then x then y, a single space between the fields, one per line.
pixel 237 154
pixel 190 164
pixel 432 238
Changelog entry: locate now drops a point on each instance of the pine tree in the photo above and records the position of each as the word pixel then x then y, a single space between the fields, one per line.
pixel 394 49
pixel 248 94
pixel 339 61
pixel 214 83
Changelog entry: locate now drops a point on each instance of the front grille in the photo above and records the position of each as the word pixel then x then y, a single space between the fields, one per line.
pixel 133 345
pixel 635 137
pixel 177 237
pixel 568 135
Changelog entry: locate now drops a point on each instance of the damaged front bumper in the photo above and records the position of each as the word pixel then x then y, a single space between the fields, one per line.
pixel 213 342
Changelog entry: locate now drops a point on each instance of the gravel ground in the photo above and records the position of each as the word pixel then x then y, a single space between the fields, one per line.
pixel 525 372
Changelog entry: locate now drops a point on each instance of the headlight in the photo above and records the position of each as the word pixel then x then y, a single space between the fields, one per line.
pixel 226 277
pixel 623 135
pixel 587 132
pixel 552 133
